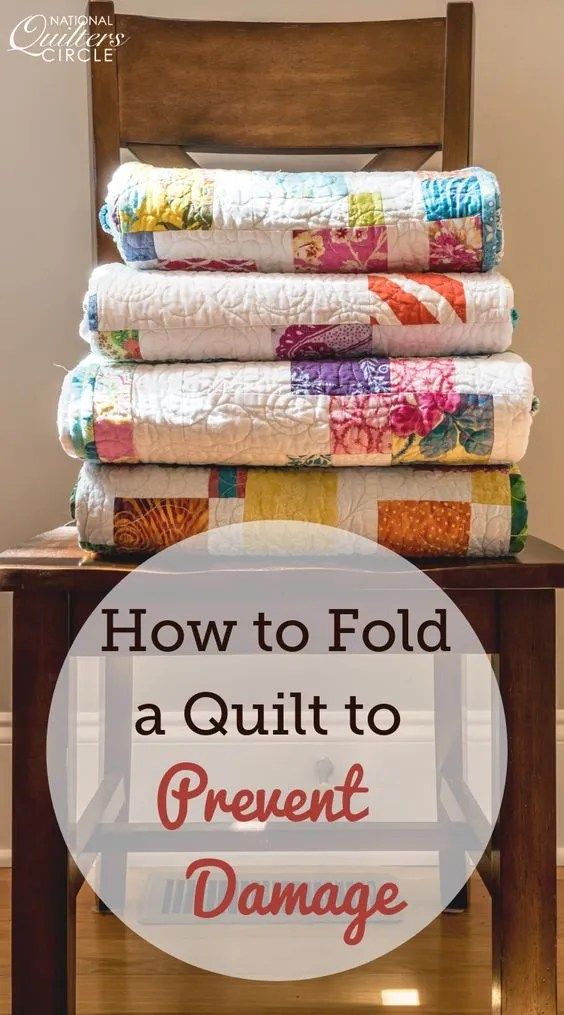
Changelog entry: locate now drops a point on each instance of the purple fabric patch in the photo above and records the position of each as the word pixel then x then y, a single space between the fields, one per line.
pixel 341 377
pixel 309 341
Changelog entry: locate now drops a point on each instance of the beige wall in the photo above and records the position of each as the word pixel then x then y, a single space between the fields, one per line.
pixel 45 225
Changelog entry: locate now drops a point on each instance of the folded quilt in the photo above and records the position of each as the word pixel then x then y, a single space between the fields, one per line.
pixel 414 511
pixel 159 316
pixel 323 222
pixel 454 411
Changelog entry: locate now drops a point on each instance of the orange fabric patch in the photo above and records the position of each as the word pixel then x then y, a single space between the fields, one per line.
pixel 451 289
pixel 424 528
pixel 149 523
pixel 407 308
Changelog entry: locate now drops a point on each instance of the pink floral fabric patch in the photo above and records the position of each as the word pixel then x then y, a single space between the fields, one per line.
pixel 342 249
pixel 359 425
pixel 422 375
pixel 456 244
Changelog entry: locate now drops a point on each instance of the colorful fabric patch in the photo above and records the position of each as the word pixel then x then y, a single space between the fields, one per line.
pixel 425 528
pixel 455 244
pixel 168 200
pixel 138 247
pixel 519 512
pixel 451 197
pixel 300 496
pixel 308 461
pixel 451 289
pixel 153 523
pixel 490 487
pixel 113 428
pixel 114 440
pixel 405 305
pixel 359 425
pixel 120 345
pixel 341 249
pixel 299 185
pixel 341 377
pixel 227 481
pixel 302 341
pixel 81 414
pixel 366 210
pixel 422 374
pixel 447 427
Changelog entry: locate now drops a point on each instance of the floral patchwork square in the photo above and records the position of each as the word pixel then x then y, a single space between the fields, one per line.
pixel 122 345
pixel 441 425
pixel 342 249
pixel 359 425
pixel 421 374
pixel 455 244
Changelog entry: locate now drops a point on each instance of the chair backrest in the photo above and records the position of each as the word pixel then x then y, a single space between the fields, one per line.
pixel 401 89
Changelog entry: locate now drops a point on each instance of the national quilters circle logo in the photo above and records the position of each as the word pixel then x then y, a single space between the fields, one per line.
pixel 70 38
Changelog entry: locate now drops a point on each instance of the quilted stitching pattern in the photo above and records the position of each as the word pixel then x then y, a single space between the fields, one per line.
pixel 415 511
pixel 319 222
pixel 367 412
pixel 160 316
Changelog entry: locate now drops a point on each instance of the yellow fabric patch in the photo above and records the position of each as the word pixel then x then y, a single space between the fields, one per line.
pixel 490 487
pixel 291 494
pixel 366 210
pixel 176 201
pixel 409 455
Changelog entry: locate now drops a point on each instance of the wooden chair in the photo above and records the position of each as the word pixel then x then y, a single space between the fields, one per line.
pixel 401 90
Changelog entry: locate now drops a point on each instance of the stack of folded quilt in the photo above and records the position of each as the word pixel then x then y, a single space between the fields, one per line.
pixel 325 347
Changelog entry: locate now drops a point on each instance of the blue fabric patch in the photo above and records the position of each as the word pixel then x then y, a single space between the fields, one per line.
pixel 92 312
pixel 138 247
pixel 318 185
pixel 451 198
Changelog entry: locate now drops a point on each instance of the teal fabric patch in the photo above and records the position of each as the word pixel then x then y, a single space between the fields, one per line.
pixel 451 198
pixel 226 481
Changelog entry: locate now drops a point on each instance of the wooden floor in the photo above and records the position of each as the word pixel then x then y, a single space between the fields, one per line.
pixel 119 974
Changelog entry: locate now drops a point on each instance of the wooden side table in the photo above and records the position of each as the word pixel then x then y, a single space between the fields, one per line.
pixel 511 605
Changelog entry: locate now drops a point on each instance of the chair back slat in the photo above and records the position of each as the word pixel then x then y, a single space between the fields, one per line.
pixel 401 89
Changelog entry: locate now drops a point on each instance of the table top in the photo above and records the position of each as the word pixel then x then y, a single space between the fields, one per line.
pixel 54 560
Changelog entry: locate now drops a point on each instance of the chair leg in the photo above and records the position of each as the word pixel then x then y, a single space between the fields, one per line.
pixel 524 841
pixel 43 912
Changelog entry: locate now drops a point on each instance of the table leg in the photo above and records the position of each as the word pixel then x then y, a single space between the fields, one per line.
pixel 43 977
pixel 118 698
pixel 449 671
pixel 524 842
